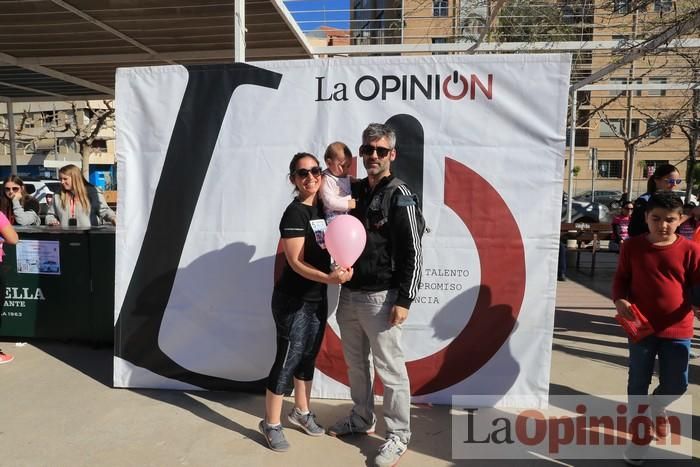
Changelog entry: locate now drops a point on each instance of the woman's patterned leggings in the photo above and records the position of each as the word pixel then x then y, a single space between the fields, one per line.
pixel 300 327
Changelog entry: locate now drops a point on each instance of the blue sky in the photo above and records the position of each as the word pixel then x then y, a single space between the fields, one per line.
pixel 319 13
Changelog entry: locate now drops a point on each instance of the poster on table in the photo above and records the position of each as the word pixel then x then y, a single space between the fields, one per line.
pixel 203 155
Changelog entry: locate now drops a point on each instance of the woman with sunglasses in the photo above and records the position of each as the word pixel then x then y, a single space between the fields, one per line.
pixel 299 304
pixel 79 203
pixel 19 207
pixel 620 226
pixel 666 177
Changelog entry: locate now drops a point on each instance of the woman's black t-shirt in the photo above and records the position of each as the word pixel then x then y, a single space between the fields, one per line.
pixel 301 220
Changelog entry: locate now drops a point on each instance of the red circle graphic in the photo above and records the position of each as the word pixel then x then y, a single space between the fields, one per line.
pixel 446 90
pixel 502 262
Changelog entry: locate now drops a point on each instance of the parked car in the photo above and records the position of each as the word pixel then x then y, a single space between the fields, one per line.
pixel 681 195
pixel 39 188
pixel 610 198
pixel 585 211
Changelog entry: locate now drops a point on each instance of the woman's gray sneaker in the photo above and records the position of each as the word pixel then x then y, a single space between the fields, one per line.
pixel 274 436
pixel 350 425
pixel 306 422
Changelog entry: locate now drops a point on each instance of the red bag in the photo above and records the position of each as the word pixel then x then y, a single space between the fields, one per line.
pixel 636 329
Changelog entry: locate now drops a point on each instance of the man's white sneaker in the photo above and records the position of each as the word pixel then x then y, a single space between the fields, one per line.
pixel 390 452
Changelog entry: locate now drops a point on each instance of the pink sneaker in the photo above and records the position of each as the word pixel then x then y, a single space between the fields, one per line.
pixel 5 358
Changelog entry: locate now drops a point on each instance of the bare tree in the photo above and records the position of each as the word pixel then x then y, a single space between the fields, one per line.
pixel 86 131
pixel 653 24
pixel 21 138
pixel 687 119
pixel 82 124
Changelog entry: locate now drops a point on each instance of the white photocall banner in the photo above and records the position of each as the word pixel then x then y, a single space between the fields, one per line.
pixel 203 154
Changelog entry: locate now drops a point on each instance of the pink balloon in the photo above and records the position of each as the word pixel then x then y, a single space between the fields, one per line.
pixel 345 239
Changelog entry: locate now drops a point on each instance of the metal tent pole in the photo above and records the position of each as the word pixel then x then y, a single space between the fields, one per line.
pixel 13 144
pixel 239 31
pixel 572 150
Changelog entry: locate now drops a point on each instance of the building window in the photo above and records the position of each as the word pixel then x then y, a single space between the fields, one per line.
pixel 99 145
pixel 621 6
pixel 615 128
pixel 439 40
pixel 657 130
pixel 635 127
pixel 440 7
pixel 638 92
pixel 610 168
pixel 650 167
pixel 663 6
pixel 657 92
pixel 617 92
pixel 581 139
pixel 67 145
pixel 49 118
pixel 610 128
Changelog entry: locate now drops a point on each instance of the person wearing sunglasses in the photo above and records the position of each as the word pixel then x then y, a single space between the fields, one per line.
pixel 79 203
pixel 299 304
pixel 374 304
pixel 620 226
pixel 666 177
pixel 19 207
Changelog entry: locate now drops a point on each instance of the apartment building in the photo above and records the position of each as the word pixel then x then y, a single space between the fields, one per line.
pixel 376 22
pixel 632 132
pixel 410 22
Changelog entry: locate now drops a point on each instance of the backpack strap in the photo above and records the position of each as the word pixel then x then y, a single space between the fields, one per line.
pixel 402 200
pixel 382 204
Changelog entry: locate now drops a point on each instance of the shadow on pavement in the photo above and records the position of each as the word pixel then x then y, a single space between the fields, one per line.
pixel 600 281
pixel 97 363
pixel 186 400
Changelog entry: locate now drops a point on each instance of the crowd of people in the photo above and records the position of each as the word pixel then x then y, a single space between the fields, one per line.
pixel 78 204
pixel 657 286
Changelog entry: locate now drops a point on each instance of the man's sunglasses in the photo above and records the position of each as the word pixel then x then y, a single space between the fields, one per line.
pixel 368 150
pixel 13 189
pixel 303 173
pixel 674 181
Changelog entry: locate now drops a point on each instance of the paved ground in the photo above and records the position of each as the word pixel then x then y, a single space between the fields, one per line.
pixel 57 406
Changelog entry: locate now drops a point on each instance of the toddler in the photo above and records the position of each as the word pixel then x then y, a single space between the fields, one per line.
pixel 335 190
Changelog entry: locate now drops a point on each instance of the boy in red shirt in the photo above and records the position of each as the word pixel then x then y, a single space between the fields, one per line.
pixel 657 272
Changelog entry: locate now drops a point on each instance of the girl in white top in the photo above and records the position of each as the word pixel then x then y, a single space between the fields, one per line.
pixel 79 203
pixel 335 190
